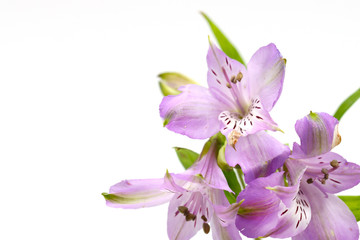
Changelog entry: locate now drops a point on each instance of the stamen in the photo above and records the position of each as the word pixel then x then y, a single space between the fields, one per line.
pixel 233 80
pixel 334 163
pixel 206 228
pixel 326 176
pixel 239 77
pixel 228 85
pixel 310 180
pixel 204 218
pixel 324 171
pixel 183 209
pixel 190 217
pixel 323 181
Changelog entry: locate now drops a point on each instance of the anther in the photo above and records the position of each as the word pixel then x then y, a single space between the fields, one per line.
pixel 233 80
pixel 183 209
pixel 204 218
pixel 190 217
pixel 239 77
pixel 228 85
pixel 334 163
pixel 326 176
pixel 324 171
pixel 310 180
pixel 323 181
pixel 206 228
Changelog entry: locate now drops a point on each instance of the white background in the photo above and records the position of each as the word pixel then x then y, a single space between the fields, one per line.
pixel 79 98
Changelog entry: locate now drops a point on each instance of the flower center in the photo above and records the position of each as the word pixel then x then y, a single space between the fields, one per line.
pixel 195 209
pixel 239 125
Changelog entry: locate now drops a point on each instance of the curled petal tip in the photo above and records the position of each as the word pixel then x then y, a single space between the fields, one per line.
pixel 337 137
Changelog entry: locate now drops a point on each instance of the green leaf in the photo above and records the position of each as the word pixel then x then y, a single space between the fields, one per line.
pixel 171 81
pixel 345 105
pixel 224 43
pixel 353 202
pixel 186 156
pixel 232 181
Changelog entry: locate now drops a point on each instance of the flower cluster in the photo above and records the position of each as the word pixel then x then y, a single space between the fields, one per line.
pixel 283 192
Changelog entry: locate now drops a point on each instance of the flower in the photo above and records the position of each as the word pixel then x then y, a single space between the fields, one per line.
pixel 197 198
pixel 307 209
pixel 326 173
pixel 237 103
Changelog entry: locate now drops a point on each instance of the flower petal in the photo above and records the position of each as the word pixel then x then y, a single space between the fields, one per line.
pixel 193 113
pixel 220 232
pixel 227 80
pixel 318 134
pixel 258 155
pixel 331 172
pixel 177 226
pixel 258 214
pixel 270 209
pixel 266 70
pixel 209 169
pixel 138 193
pixel 331 218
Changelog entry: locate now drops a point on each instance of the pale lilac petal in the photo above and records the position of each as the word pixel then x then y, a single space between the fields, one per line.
pixel 258 155
pixel 341 176
pixel 293 219
pixel 221 70
pixel 331 218
pixel 207 167
pixel 138 193
pixel 177 226
pixel 266 70
pixel 295 169
pixel 270 209
pixel 258 214
pixel 318 134
pixel 193 113
pixel 219 232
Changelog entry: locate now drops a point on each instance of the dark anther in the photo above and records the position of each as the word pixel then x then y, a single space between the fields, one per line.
pixel 228 85
pixel 183 209
pixel 204 218
pixel 190 217
pixel 324 171
pixel 323 181
pixel 310 180
pixel 334 163
pixel 326 176
pixel 233 80
pixel 239 77
pixel 206 228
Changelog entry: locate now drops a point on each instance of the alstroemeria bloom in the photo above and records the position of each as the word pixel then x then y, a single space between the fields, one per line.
pixel 197 199
pixel 307 209
pixel 237 103
pixel 326 173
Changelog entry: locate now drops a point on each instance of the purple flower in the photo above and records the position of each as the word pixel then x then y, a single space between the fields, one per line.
pixel 326 173
pixel 237 103
pixel 307 209
pixel 197 199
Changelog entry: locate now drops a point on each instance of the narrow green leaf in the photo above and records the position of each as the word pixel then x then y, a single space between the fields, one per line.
pixel 345 105
pixel 230 196
pixel 171 81
pixel 186 156
pixel 353 202
pixel 223 41
pixel 232 181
